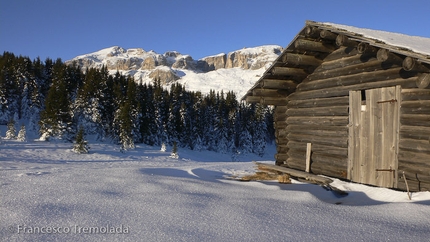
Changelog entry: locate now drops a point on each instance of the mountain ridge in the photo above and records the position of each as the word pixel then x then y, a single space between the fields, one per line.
pixel 235 71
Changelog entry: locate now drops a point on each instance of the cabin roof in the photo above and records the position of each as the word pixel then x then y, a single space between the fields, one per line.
pixel 415 47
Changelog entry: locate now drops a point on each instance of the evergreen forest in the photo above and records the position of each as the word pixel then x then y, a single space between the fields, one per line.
pixel 56 100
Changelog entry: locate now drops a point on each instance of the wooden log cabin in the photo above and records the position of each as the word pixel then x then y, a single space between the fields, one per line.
pixel 360 97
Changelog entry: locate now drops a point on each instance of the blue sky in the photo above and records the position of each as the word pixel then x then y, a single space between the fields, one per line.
pixel 65 29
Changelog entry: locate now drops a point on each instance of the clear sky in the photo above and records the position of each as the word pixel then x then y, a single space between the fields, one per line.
pixel 64 29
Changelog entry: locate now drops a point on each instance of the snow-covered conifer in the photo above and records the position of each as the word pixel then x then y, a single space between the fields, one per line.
pixel 81 145
pixel 22 134
pixel 11 130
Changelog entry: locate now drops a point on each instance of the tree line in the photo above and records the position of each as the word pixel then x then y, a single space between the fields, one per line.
pixel 56 100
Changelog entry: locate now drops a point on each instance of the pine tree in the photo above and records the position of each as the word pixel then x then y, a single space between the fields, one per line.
pixel 22 134
pixel 81 145
pixel 11 130
pixel 174 153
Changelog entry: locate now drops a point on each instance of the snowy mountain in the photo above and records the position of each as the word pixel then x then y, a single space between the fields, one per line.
pixel 237 70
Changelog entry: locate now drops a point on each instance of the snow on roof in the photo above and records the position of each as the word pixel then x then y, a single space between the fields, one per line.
pixel 414 43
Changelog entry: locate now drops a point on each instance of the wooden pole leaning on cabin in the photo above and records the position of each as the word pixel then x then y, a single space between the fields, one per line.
pixel 308 157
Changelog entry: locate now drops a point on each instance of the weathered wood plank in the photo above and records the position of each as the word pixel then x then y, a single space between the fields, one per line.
pixel 276 101
pixel 278 84
pixel 326 34
pixel 289 71
pixel 415 94
pixel 326 149
pixel 415 132
pixel 386 55
pixel 341 52
pixel 319 102
pixel 337 141
pixel 358 78
pixel 296 173
pixel 342 40
pixel 354 148
pixel 348 60
pixel 319 111
pixel 321 120
pixel 299 59
pixel 414 119
pixel 423 81
pixel 360 66
pixel 309 45
pixel 344 90
pixel 317 130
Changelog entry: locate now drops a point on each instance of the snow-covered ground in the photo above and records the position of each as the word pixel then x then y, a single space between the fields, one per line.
pixel 49 193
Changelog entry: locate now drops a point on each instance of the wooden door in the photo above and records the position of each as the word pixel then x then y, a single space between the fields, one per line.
pixel 373 136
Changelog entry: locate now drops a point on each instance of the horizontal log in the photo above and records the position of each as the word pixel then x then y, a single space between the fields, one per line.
pixel 337 141
pixel 386 55
pixel 326 149
pixel 344 90
pixel 309 45
pixel 281 158
pixel 318 130
pixel 366 48
pixel 326 34
pixel 356 67
pixel 321 120
pixel 411 64
pixel 300 59
pixel 282 149
pixel 423 80
pixel 280 101
pixel 415 145
pixel 415 94
pixel 415 132
pixel 270 92
pixel 416 107
pixel 342 40
pixel 414 119
pixel 318 168
pixel 414 186
pixel 319 111
pixel 281 109
pixel 312 32
pixel 413 175
pixel 319 102
pixel 288 71
pixel 341 52
pixel 296 173
pixel 417 158
pixel 358 78
pixel 278 84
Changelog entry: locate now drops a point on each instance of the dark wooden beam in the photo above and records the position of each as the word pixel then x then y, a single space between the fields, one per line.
pixel 312 32
pixel 423 80
pixel 288 71
pixel 411 64
pixel 309 45
pixel 298 59
pixel 342 40
pixel 386 55
pixel 366 48
pixel 278 84
pixel 325 34
pixel 276 101
pixel 270 92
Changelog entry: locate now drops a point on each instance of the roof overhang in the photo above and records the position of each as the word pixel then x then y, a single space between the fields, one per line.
pixel 315 42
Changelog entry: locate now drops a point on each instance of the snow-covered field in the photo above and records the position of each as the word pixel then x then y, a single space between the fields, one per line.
pixel 49 193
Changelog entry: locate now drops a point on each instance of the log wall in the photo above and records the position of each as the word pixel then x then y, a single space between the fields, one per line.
pixel 414 139
pixel 317 113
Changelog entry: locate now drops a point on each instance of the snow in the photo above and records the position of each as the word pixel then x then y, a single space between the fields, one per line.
pixel 414 43
pixel 144 195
